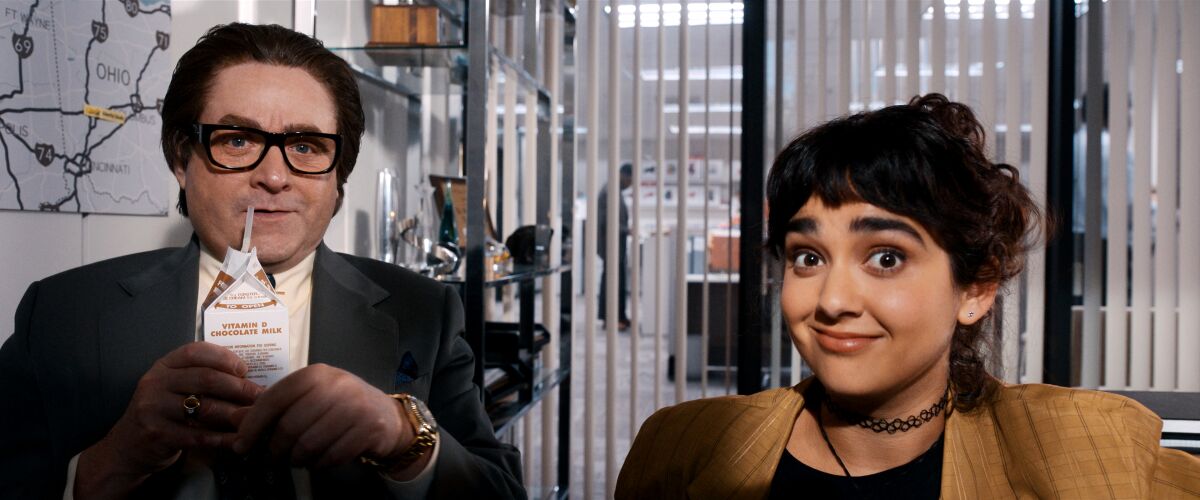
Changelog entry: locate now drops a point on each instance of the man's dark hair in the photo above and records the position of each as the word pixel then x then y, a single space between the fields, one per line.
pixel 925 160
pixel 232 44
pixel 627 169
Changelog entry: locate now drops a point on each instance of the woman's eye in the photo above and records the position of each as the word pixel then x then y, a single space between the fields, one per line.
pixel 886 260
pixel 806 259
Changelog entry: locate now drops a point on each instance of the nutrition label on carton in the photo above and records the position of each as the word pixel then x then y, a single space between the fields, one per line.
pixel 259 357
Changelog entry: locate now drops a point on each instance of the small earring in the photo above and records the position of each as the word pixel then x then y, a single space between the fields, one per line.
pixel 970 314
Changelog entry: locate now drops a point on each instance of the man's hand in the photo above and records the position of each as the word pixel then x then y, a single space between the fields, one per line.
pixel 155 429
pixel 321 416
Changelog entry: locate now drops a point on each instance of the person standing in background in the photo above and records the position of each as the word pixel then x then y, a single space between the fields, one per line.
pixel 622 264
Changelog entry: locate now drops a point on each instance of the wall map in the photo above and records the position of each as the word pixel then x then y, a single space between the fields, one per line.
pixel 81 87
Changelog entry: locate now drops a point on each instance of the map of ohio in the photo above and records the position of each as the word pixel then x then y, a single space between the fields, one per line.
pixel 81 87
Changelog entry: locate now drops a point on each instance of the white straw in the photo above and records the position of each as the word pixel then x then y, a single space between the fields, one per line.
pixel 249 228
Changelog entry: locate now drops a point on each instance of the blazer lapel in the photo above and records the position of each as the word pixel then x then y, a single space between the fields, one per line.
pixel 156 316
pixel 745 468
pixel 962 469
pixel 346 330
pixel 975 462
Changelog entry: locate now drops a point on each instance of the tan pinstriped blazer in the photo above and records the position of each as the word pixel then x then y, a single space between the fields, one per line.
pixel 1031 441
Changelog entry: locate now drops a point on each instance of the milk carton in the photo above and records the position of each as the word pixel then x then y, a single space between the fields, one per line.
pixel 243 313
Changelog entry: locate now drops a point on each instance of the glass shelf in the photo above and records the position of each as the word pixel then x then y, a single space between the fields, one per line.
pixel 525 79
pixel 506 414
pixel 453 14
pixel 393 66
pixel 384 55
pixel 523 273
pixel 519 274
pixel 398 68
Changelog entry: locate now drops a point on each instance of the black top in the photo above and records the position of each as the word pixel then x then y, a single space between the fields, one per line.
pixel 921 478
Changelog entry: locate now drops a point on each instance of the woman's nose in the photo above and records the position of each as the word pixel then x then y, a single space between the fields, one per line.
pixel 840 294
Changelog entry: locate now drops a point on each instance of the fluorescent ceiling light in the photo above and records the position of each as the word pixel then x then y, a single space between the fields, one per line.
pixel 671 14
pixel 520 109
pixel 1002 128
pixel 695 74
pixel 901 70
pixel 713 130
pixel 699 108
pixel 975 9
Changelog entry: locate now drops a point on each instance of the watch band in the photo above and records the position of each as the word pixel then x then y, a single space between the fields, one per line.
pixel 425 438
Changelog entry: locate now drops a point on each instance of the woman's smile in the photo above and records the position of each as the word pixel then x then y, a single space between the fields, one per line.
pixel 843 342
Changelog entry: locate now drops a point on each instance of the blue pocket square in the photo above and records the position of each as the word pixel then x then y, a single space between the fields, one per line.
pixel 407 371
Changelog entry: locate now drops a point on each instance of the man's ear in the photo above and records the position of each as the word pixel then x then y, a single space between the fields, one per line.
pixel 977 300
pixel 180 171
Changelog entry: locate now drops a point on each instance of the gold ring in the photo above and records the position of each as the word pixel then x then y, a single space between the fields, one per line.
pixel 191 406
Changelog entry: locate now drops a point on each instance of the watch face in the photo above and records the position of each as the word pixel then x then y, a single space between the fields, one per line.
pixel 426 414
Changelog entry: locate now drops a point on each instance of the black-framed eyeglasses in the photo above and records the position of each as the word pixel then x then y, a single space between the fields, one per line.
pixel 232 147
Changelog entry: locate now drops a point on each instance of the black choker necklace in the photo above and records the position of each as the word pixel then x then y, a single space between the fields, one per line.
pixel 891 426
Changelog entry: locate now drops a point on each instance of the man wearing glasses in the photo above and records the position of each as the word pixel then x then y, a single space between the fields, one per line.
pixel 107 392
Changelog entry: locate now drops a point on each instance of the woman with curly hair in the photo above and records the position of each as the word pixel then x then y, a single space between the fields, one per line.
pixel 897 232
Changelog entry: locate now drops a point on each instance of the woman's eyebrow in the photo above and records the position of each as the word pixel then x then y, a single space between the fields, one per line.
pixel 879 224
pixel 802 225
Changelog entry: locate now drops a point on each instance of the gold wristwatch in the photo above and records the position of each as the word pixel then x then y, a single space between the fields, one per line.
pixel 426 434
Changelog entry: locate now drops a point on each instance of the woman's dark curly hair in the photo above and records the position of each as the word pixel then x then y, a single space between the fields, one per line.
pixel 924 160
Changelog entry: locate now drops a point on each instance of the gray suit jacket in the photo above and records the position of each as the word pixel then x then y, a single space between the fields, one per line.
pixel 84 337
pixel 602 221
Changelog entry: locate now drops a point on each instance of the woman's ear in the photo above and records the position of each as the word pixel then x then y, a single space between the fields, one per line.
pixel 976 301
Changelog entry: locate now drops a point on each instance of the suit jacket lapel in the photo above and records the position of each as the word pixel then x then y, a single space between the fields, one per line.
pixel 745 469
pixel 157 315
pixel 346 330
pixel 976 462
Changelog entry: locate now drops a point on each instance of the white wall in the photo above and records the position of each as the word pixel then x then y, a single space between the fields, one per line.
pixel 36 245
